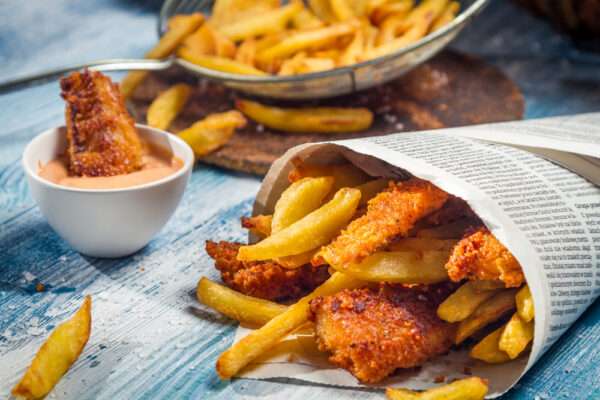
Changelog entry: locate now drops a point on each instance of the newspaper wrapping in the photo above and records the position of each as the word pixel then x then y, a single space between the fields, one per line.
pixel 526 181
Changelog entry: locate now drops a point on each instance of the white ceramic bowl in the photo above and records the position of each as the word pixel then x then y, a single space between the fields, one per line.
pixel 106 223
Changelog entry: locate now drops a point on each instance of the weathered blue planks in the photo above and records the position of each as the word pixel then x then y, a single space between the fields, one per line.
pixel 151 339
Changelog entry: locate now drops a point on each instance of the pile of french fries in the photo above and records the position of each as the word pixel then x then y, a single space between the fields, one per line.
pixel 264 37
pixel 319 202
pixel 259 37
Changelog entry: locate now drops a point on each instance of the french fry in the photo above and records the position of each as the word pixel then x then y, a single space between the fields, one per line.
pixel 246 52
pixel 305 19
pixel 407 267
pixel 382 11
pixel 422 244
pixel 489 311
pixel 299 199
pixel 322 9
pixel 309 65
pixel 344 175
pixel 291 66
pixel 453 230
pixel 227 11
pixel 261 24
pixel 259 341
pixel 308 119
pixel 207 41
pixel 260 225
pixel 516 336
pixel 311 39
pixel 353 51
pixel 464 301
pixel 341 9
pixel 297 260
pixel 473 388
pixel 167 106
pixel 369 189
pixel 180 26
pixel 56 355
pixel 212 132
pixel 308 233
pixel 389 27
pixel 525 304
pixel 447 16
pixel 414 26
pixel 220 63
pixel 487 349
pixel 246 309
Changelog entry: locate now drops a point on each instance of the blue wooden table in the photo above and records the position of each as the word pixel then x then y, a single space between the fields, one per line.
pixel 150 337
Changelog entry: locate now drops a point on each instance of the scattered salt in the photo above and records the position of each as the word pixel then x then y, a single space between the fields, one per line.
pixel 390 118
pixel 35 331
pixel 399 126
pixel 28 276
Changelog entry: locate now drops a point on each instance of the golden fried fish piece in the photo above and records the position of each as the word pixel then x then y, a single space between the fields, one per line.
pixel 101 135
pixel 480 256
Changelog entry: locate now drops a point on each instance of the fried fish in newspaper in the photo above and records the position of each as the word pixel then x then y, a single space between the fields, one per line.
pixel 372 332
pixel 101 135
pixel 480 256
pixel 390 214
pixel 263 279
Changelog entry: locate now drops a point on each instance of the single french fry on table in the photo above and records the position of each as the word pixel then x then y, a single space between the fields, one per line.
pixel 246 309
pixel 516 336
pixel 180 26
pixel 464 301
pixel 56 355
pixel 165 108
pixel 299 199
pixel 489 311
pixel 308 233
pixel 525 304
pixel 261 24
pixel 408 267
pixel 473 388
pixel 260 225
pixel 212 132
pixel 220 63
pixel 487 349
pixel 308 119
pixel 261 340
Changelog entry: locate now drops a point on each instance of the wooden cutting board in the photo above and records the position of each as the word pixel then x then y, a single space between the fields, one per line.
pixel 452 89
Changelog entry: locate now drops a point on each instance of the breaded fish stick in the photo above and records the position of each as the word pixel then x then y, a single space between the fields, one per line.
pixel 390 214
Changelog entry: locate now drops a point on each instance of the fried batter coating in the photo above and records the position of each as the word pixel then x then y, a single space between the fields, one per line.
pixel 373 332
pixel 392 213
pixel 480 256
pixel 101 135
pixel 263 279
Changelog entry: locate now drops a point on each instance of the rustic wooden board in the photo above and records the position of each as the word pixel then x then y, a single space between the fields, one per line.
pixel 453 89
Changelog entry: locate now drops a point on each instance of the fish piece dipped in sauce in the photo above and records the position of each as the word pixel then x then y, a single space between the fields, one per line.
pixel 101 135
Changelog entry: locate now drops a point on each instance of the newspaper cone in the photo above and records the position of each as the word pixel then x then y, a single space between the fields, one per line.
pixel 547 215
